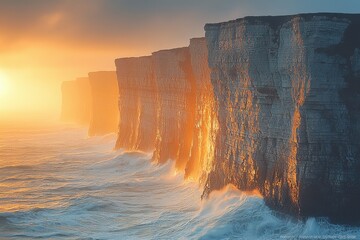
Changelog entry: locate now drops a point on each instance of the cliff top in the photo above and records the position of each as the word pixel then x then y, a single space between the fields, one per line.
pixel 276 21
pixel 129 59
pixel 180 49
pixel 67 84
pixel 80 79
pixel 102 72
pixel 101 76
pixel 196 39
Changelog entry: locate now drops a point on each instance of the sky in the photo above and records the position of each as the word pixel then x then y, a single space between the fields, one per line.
pixel 45 42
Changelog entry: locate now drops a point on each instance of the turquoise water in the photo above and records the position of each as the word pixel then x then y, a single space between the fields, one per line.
pixel 56 183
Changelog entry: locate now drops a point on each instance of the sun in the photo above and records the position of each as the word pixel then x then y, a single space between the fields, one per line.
pixel 4 84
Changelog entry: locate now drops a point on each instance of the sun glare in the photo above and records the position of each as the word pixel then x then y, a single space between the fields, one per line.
pixel 4 84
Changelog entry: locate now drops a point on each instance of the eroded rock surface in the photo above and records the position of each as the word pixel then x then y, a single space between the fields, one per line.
pixel 137 104
pixel 166 105
pixel 288 95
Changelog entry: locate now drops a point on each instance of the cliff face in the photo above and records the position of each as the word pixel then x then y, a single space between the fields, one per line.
pixel 288 95
pixel 104 97
pixel 76 101
pixel 137 104
pixel 205 116
pixel 84 98
pixel 69 91
pixel 163 99
pixel 265 103
pixel 176 105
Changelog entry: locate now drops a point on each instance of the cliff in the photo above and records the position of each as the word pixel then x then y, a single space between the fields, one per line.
pixel 137 104
pixel 288 95
pixel 104 103
pixel 76 101
pixel 265 103
pixel 69 105
pixel 163 99
pixel 176 105
pixel 205 119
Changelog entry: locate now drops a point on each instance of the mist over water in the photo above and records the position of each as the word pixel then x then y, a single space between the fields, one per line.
pixel 57 183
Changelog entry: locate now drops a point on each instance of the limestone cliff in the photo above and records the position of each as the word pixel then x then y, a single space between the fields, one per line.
pixel 288 95
pixel 76 101
pixel 176 105
pixel 205 119
pixel 137 104
pixel 265 103
pixel 166 103
pixel 104 98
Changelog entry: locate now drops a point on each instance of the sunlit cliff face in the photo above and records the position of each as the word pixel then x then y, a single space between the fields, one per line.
pixel 206 120
pixel 167 105
pixel 76 101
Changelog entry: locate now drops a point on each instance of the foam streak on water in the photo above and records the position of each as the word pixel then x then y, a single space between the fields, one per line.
pixel 57 183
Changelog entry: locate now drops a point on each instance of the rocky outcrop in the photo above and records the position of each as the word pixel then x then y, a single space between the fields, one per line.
pixel 76 101
pixel 163 99
pixel 104 98
pixel 288 95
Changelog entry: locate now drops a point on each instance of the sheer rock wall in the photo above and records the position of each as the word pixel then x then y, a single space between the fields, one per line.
pixel 288 95
pixel 104 98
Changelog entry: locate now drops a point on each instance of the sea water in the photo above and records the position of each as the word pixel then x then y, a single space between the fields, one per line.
pixel 57 183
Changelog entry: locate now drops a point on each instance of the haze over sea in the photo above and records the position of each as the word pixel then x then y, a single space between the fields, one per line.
pixel 56 183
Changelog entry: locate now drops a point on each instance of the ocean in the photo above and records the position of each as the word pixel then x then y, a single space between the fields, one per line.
pixel 57 183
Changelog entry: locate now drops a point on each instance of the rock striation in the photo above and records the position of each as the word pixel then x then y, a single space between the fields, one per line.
pixel 104 103
pixel 176 105
pixel 76 101
pixel 288 95
pixel 166 104
pixel 205 115
pixel 137 104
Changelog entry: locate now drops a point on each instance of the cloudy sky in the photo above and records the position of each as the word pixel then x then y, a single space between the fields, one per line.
pixel 133 26
pixel 43 42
